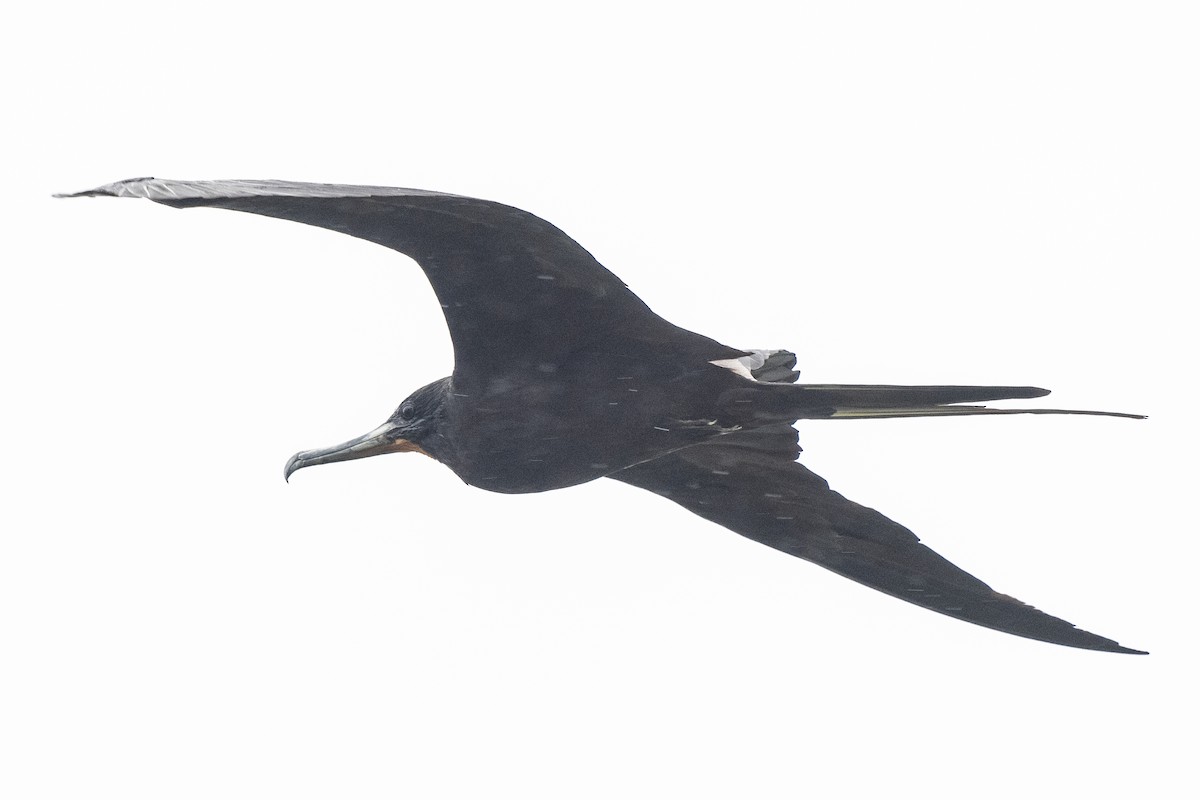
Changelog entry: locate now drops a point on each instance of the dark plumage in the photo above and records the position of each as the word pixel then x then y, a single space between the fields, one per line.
pixel 562 375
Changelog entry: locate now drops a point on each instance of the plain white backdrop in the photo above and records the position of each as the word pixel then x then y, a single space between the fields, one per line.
pixel 901 193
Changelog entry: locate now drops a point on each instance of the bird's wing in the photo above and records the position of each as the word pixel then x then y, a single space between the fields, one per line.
pixel 749 482
pixel 515 290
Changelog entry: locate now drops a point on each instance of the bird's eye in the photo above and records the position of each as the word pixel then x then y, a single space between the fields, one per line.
pixel 407 412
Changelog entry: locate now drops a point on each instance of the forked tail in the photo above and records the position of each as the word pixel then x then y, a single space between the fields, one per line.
pixel 882 402
pixel 775 396
pixel 785 402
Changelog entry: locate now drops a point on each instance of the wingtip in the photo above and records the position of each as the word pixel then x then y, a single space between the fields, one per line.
pixel 1092 641
pixel 117 189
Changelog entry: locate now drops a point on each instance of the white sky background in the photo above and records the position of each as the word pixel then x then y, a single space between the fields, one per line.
pixel 907 193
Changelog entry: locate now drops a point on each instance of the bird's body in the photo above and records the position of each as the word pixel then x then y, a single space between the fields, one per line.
pixel 561 423
pixel 562 375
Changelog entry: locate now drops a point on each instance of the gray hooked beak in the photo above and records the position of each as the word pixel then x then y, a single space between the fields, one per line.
pixel 384 439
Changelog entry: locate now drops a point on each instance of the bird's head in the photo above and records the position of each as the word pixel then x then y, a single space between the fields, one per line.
pixel 411 429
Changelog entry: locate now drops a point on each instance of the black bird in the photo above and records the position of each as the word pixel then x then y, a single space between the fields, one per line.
pixel 562 375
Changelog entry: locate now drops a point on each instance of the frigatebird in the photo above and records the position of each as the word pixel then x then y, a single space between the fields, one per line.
pixel 562 375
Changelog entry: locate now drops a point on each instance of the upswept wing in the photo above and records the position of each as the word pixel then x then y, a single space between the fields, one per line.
pixel 515 290
pixel 750 483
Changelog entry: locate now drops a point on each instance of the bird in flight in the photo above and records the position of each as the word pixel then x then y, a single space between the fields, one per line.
pixel 562 375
